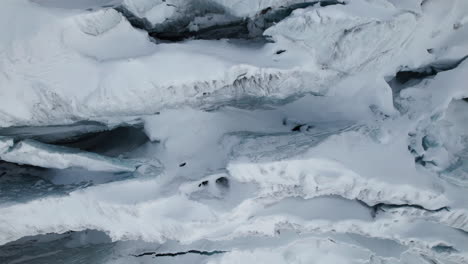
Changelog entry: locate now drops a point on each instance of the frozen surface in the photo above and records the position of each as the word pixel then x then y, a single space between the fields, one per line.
pixel 234 131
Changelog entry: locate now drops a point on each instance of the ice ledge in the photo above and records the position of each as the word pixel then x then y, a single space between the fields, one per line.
pixel 310 178
pixel 39 154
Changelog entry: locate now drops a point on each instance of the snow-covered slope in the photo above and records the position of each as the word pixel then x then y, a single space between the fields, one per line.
pixel 233 131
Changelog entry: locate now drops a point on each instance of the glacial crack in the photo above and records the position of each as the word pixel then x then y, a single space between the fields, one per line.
pixel 175 254
pixel 411 77
pixel 54 133
pixel 87 136
pixel 178 29
pixel 382 207
pixel 104 142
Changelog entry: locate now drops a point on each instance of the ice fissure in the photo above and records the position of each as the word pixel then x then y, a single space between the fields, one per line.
pixel 193 20
pixel 206 253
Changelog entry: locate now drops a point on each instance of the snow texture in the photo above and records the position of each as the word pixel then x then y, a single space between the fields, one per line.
pixel 234 131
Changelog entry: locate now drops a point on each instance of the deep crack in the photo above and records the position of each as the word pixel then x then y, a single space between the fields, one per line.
pixel 406 78
pixel 381 207
pixel 235 28
pixel 169 254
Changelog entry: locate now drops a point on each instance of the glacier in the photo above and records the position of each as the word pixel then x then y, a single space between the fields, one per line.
pixel 234 131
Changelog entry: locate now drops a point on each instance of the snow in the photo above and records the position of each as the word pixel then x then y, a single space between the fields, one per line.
pixel 91 69
pixel 38 154
pixel 297 146
pixel 155 14
pixel 5 144
pixel 323 177
pixel 333 32
pixel 154 11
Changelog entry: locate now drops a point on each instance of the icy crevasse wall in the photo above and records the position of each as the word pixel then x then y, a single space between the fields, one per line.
pixel 268 131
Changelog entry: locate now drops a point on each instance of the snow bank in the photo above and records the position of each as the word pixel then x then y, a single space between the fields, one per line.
pixel 92 65
pixel 34 153
pixel 314 177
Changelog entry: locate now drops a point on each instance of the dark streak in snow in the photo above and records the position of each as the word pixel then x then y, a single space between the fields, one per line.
pixel 205 253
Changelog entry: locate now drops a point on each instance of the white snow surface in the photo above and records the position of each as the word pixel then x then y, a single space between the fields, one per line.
pixel 306 148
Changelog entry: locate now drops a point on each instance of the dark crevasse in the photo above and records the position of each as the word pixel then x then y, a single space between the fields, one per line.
pixel 410 77
pixel 234 28
pixel 88 246
pixel 22 182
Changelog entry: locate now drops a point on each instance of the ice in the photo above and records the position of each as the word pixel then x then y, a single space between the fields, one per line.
pixel 5 144
pixel 155 12
pixel 72 4
pixel 39 154
pixel 91 69
pixel 334 32
pixel 99 22
pixel 50 134
pixel 233 131
pixel 324 177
